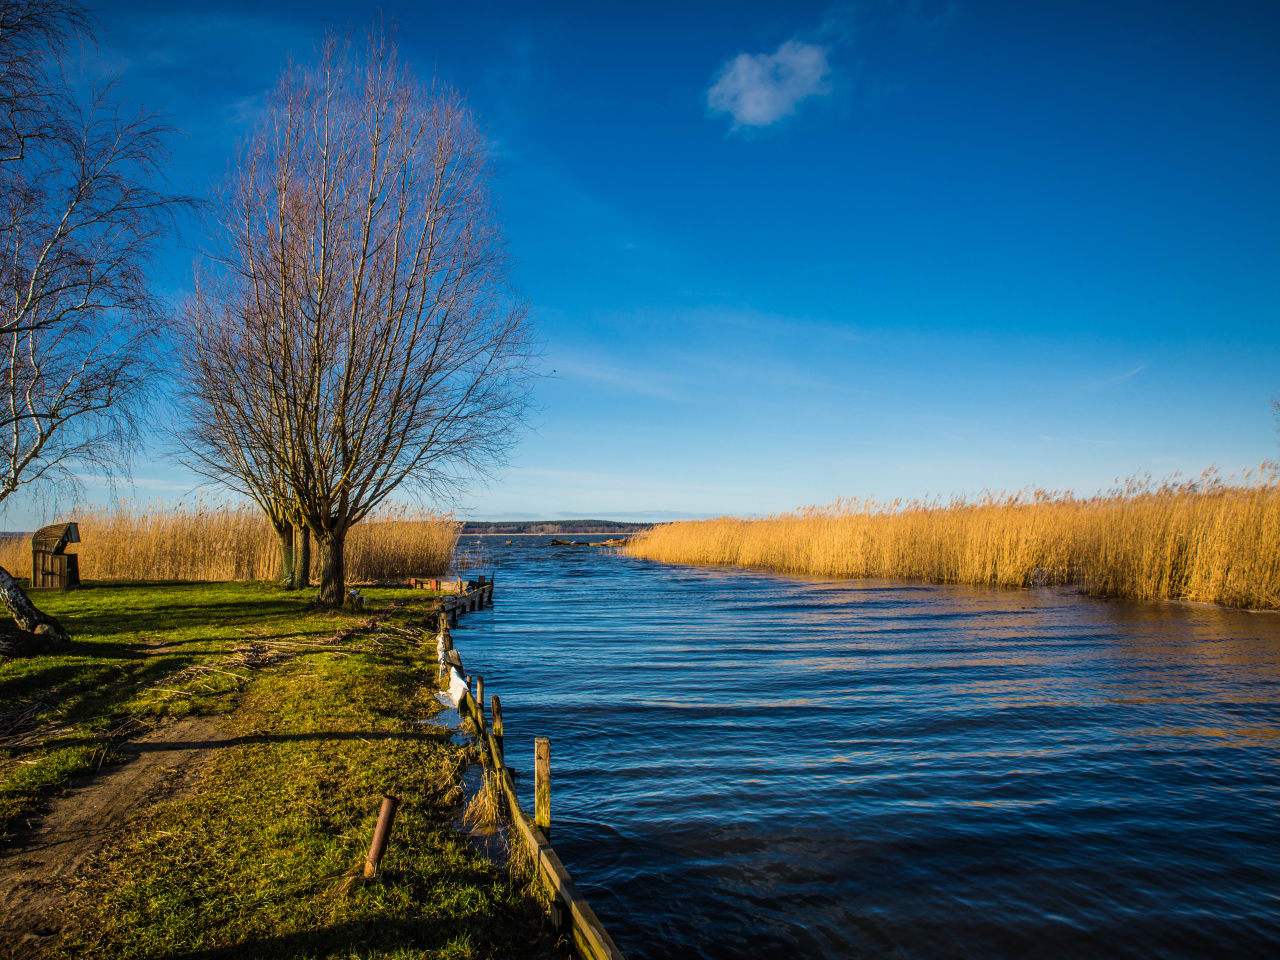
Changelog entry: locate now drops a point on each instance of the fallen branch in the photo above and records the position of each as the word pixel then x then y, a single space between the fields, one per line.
pixel 46 632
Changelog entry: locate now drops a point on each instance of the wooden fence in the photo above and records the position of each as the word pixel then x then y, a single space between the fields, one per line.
pixel 569 909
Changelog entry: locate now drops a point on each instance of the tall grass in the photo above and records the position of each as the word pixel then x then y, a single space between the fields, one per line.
pixel 1210 539
pixel 221 542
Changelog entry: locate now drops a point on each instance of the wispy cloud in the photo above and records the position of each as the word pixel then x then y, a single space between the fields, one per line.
pixel 759 89
pixel 1097 441
pixel 1118 378
pixel 646 383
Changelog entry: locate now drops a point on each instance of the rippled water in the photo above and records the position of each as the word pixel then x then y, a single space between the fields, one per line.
pixel 749 765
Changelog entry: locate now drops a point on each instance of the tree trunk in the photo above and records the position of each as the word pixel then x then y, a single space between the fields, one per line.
pixel 333 582
pixel 302 560
pixel 46 632
pixel 285 532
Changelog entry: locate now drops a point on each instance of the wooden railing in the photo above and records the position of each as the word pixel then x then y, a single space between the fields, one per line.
pixel 569 908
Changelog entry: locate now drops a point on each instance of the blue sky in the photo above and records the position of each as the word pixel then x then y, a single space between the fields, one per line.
pixel 784 253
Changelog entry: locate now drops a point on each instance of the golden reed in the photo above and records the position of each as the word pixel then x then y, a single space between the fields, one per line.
pixel 220 542
pixel 1210 540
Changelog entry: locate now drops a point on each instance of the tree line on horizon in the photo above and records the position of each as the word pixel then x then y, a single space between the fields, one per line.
pixel 353 329
pixel 551 526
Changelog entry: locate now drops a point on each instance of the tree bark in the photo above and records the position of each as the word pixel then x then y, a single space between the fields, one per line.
pixel 333 582
pixel 47 633
pixel 302 560
pixel 285 532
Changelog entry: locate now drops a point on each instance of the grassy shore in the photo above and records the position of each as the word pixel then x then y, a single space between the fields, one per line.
pixel 1209 540
pixel 317 715
pixel 219 542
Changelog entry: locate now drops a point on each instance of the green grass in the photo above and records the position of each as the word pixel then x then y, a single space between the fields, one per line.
pixel 140 652
pixel 262 857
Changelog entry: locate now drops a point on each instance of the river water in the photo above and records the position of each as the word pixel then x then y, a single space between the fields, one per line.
pixel 751 765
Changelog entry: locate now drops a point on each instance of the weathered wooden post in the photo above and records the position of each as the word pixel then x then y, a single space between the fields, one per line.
pixel 446 644
pixel 386 816
pixel 480 701
pixel 542 784
pixel 495 713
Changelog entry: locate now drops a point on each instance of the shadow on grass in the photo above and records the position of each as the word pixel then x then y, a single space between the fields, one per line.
pixel 169 617
pixel 364 938
pixel 87 680
pixel 427 735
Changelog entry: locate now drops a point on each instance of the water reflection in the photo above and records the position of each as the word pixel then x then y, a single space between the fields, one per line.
pixel 748 765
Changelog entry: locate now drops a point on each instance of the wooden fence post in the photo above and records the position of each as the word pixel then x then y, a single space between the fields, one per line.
pixel 480 700
pixel 446 644
pixel 496 714
pixel 386 815
pixel 542 784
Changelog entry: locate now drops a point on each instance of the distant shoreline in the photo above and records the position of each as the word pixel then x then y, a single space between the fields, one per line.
pixel 556 533
pixel 550 527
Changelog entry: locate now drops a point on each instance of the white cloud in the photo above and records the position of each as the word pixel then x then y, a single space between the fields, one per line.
pixel 758 89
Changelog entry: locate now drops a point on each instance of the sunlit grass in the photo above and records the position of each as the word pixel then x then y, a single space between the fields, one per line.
pixel 221 542
pixel 1210 539
pixel 263 859
pixel 260 855
pixel 136 655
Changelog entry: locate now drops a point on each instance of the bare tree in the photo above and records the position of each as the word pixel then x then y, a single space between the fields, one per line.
pixel 80 219
pixel 365 303
pixel 224 427
pixel 33 104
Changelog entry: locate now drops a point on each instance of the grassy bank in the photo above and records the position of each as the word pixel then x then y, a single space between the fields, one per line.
pixel 141 654
pixel 1208 540
pixel 318 714
pixel 220 542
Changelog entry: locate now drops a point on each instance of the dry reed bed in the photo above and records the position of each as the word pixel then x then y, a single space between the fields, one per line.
pixel 218 542
pixel 1210 540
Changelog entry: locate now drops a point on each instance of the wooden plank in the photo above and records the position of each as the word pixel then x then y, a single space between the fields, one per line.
pixel 590 938
pixel 589 935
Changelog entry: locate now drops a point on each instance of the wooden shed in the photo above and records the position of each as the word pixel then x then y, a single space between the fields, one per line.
pixel 51 565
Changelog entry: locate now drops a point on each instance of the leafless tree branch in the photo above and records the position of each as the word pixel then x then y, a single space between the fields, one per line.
pixel 362 334
pixel 81 216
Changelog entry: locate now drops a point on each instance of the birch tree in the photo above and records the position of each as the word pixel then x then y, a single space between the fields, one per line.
pixel 82 211
pixel 364 303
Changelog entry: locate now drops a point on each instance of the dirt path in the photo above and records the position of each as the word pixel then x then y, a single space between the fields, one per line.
pixel 35 868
